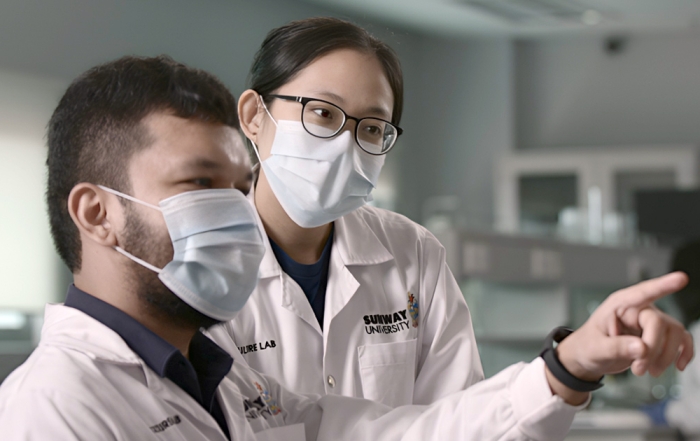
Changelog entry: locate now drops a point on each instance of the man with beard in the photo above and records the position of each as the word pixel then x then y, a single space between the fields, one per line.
pixel 147 176
pixel 146 183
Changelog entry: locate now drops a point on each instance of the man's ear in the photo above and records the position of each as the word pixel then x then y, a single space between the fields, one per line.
pixel 88 207
pixel 250 114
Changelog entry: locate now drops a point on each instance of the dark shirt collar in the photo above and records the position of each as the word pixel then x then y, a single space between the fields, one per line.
pixel 313 278
pixel 301 270
pixel 199 376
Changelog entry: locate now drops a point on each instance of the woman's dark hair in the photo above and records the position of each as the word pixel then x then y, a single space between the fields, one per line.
pixel 96 128
pixel 290 48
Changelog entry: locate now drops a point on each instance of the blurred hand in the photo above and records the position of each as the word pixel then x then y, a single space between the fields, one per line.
pixel 627 330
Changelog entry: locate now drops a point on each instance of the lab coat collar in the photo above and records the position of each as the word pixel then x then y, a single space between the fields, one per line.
pixel 70 328
pixel 73 330
pixel 353 238
pixel 158 354
pixel 356 241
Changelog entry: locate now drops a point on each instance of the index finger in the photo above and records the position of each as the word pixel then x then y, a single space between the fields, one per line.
pixel 645 293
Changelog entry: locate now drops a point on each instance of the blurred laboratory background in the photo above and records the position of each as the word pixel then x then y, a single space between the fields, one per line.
pixel 551 145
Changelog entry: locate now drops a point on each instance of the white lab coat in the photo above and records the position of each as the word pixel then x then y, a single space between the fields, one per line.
pixel 84 383
pixel 378 260
pixel 684 413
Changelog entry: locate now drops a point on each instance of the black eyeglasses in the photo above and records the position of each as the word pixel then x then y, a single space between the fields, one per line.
pixel 325 120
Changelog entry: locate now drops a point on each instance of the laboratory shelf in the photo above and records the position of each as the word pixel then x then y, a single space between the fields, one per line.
pixel 519 288
pixel 506 258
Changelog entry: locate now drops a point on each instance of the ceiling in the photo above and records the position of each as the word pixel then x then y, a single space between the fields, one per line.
pixel 528 18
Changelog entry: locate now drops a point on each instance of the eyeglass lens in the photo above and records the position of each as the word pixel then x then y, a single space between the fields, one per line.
pixel 325 120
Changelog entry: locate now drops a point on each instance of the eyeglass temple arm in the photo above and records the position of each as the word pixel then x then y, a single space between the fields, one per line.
pixel 298 99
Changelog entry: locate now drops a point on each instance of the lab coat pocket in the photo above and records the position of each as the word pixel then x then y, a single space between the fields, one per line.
pixel 388 372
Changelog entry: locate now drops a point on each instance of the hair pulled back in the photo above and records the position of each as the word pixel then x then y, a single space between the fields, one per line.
pixel 290 48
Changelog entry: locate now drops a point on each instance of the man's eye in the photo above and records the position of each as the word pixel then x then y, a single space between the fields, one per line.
pixel 203 182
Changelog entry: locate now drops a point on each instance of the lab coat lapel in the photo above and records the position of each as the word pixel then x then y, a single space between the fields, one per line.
pixel 295 301
pixel 354 244
pixel 292 298
pixel 342 285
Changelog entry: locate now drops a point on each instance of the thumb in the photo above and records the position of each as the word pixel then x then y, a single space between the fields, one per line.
pixel 623 347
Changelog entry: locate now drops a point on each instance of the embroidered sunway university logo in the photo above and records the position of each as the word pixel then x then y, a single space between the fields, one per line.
pixel 396 321
pixel 386 323
pixel 413 309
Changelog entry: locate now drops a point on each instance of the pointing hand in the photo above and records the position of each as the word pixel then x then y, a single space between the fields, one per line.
pixel 628 331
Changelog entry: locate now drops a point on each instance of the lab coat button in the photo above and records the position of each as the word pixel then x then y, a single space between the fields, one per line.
pixel 331 381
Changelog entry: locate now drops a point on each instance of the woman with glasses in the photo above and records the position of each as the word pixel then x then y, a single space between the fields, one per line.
pixel 351 300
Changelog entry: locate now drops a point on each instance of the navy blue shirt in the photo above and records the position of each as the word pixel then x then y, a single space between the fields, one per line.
pixel 199 376
pixel 311 278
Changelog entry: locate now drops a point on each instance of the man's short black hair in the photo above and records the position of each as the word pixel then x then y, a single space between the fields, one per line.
pixel 97 127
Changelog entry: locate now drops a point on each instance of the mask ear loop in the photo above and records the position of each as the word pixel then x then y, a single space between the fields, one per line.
pixel 257 153
pixel 126 196
pixel 122 250
pixel 267 111
pixel 255 146
pixel 141 262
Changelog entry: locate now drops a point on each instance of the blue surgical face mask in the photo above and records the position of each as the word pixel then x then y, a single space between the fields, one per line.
pixel 217 249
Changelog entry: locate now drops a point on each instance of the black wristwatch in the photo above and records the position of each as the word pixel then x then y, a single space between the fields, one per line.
pixel 549 355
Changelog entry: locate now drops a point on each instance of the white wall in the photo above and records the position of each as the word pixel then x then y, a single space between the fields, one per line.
pixel 63 38
pixel 571 92
pixel 459 119
pixel 29 267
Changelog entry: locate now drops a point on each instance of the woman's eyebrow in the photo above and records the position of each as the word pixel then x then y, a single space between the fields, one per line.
pixel 330 96
pixel 337 99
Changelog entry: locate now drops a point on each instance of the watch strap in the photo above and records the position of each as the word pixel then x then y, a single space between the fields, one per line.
pixel 551 359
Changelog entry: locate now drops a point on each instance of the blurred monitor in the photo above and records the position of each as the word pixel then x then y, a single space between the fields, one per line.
pixel 672 216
